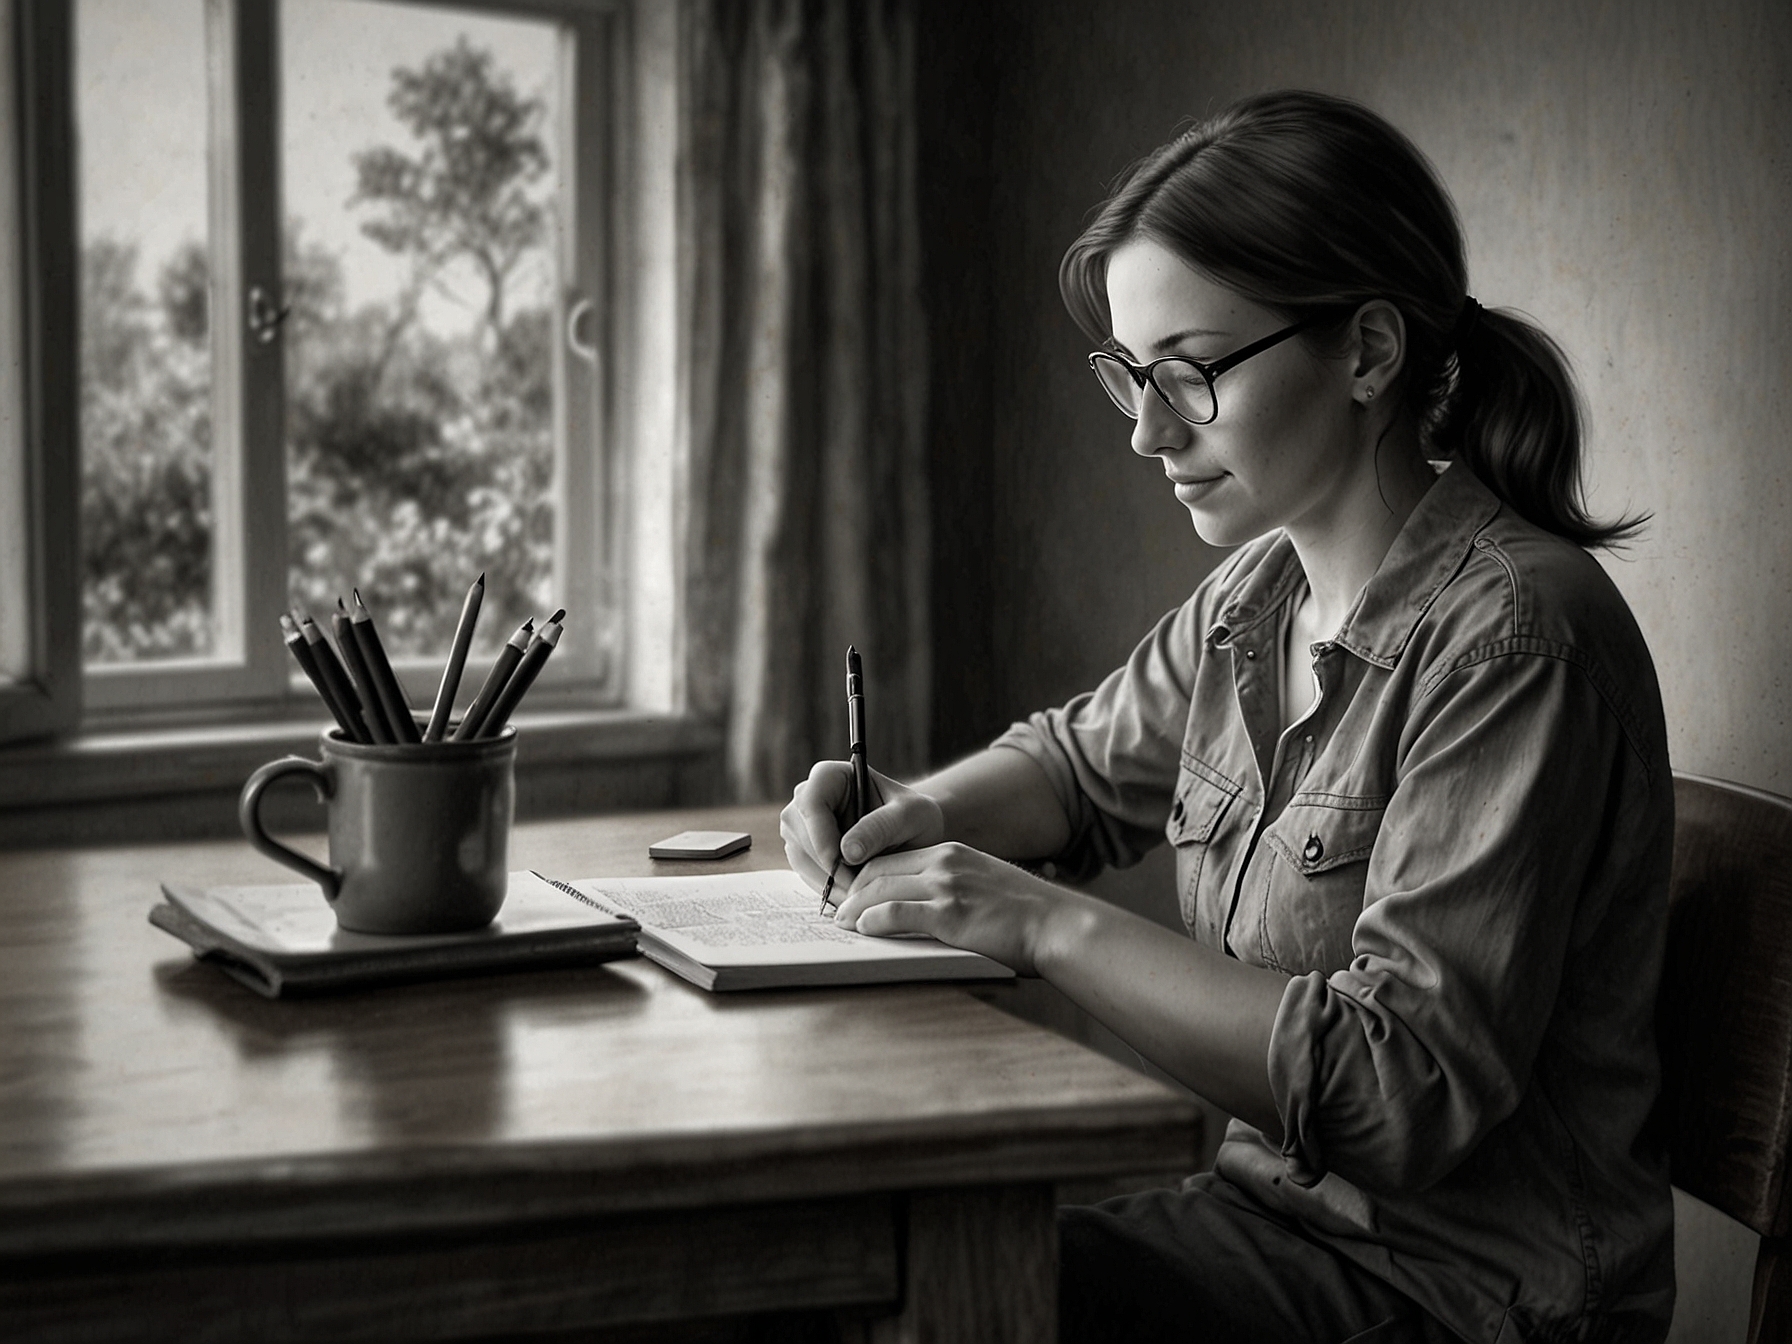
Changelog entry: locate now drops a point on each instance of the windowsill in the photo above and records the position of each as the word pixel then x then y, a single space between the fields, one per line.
pixel 138 781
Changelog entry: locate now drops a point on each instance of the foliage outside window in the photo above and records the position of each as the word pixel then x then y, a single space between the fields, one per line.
pixel 427 420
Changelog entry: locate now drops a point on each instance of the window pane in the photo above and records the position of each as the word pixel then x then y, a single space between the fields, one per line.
pixel 418 158
pixel 146 442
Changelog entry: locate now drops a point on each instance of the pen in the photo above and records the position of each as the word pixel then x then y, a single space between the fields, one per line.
pixel 379 668
pixel 859 803
pixel 371 713
pixel 457 662
pixel 301 654
pixel 524 676
pixel 508 657
pixel 330 668
pixel 855 729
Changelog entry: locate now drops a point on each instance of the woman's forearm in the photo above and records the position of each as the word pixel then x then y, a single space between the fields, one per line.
pixel 1202 1017
pixel 1000 801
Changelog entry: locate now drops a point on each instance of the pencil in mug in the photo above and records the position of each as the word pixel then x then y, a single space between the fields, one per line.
pixel 508 658
pixel 329 667
pixel 379 670
pixel 343 624
pixel 457 661
pixel 524 676
pixel 301 654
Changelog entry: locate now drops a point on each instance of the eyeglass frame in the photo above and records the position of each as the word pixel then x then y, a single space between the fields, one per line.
pixel 1146 374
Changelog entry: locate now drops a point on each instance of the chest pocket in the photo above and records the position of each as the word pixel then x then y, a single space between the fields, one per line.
pixel 1203 797
pixel 1308 880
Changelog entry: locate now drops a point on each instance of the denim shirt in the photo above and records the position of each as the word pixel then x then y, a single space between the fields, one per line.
pixel 1459 858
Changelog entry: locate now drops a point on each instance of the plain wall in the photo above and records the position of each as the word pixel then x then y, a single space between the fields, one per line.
pixel 955 101
pixel 1622 175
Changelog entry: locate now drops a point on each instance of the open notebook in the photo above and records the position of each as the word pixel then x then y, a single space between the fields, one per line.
pixel 764 930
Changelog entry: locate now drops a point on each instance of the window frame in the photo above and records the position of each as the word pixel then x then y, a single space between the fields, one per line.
pixel 251 672
pixel 47 697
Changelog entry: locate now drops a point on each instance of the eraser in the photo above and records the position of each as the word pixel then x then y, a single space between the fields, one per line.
pixel 699 845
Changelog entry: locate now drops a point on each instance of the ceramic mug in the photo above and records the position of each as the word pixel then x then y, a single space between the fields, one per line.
pixel 419 834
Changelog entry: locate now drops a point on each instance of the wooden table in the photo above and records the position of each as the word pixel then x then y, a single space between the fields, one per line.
pixel 605 1150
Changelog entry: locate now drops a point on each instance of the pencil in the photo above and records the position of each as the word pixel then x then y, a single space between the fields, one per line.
pixel 508 657
pixel 330 668
pixel 343 624
pixel 457 661
pixel 523 678
pixel 379 669
pixel 301 654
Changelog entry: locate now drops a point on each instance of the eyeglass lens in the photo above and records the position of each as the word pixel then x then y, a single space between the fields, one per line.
pixel 1179 383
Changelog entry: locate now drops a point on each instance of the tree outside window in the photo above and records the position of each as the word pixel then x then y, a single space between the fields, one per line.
pixel 419 452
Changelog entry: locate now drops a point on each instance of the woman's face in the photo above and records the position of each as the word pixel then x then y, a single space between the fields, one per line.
pixel 1284 447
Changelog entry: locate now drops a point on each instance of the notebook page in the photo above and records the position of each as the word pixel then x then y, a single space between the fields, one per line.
pixel 751 919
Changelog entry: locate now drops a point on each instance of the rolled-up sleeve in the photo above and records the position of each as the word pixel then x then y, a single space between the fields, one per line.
pixel 1513 770
pixel 1112 754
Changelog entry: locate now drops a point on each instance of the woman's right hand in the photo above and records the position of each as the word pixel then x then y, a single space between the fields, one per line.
pixel 904 818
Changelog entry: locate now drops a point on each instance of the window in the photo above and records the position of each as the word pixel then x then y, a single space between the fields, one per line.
pixel 345 321
pixel 165 739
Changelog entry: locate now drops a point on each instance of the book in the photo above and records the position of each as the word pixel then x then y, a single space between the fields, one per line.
pixel 764 930
pixel 282 940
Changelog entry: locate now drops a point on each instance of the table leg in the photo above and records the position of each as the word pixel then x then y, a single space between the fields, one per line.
pixel 981 1267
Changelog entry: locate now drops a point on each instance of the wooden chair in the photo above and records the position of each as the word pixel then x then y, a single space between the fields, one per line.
pixel 1725 1022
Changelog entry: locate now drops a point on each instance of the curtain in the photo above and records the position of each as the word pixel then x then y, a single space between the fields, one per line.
pixel 804 386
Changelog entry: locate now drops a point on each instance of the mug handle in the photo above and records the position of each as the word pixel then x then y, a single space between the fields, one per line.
pixel 248 812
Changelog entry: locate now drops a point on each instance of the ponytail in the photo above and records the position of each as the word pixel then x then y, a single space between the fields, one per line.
pixel 1305 203
pixel 1513 415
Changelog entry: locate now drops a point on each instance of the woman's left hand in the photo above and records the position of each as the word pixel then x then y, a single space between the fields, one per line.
pixel 959 895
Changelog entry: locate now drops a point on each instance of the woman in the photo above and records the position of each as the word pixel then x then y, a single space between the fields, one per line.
pixel 1408 745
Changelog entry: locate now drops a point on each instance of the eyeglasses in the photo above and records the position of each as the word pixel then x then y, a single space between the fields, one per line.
pixel 1185 385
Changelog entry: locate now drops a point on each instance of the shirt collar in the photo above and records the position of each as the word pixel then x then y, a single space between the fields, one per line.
pixel 1424 557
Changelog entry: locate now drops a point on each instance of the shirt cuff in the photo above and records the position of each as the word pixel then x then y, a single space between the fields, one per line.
pixel 1309 1008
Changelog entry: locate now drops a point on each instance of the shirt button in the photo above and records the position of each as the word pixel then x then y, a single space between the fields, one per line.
pixel 1309 739
pixel 1250 653
pixel 1315 849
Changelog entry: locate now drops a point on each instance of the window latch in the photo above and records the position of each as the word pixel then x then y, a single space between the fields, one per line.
pixel 264 317
pixel 586 351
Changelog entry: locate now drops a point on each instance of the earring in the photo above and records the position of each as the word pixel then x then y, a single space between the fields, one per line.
pixel 1368 394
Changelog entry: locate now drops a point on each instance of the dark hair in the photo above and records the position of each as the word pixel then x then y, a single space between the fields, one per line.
pixel 1305 203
